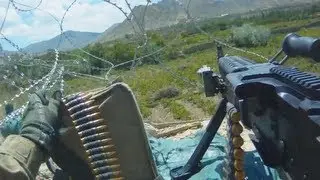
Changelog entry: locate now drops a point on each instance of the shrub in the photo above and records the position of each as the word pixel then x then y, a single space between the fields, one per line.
pixel 168 92
pixel 182 67
pixel 222 26
pixel 176 109
pixel 172 53
pixel 157 38
pixel 184 34
pixel 250 36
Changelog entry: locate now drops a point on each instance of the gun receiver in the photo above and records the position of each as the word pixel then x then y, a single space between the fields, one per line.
pixel 281 105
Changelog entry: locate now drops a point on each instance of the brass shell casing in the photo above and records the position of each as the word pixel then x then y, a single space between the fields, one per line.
pixel 236 129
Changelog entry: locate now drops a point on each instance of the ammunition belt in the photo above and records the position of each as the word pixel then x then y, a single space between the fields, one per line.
pixel 234 164
pixel 108 134
pixel 94 135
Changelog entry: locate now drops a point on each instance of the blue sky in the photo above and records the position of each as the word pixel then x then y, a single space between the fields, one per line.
pixel 24 28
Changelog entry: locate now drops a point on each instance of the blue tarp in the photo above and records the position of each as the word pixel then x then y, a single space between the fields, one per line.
pixel 11 123
pixel 169 153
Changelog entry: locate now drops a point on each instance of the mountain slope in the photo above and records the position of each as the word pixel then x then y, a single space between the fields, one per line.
pixel 79 39
pixel 157 15
pixel 169 12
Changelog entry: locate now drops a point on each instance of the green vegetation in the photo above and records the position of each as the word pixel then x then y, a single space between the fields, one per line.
pixel 79 84
pixel 169 92
pixel 174 79
pixel 201 102
pixel 177 109
pixel 150 78
pixel 249 36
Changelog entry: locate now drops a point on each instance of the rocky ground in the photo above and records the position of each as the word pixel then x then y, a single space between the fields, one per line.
pixel 1 138
pixel 44 173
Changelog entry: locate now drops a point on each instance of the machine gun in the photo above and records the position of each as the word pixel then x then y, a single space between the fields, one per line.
pixel 280 104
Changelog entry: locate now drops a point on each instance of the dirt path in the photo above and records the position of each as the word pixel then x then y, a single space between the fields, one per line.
pixel 196 113
pixel 160 114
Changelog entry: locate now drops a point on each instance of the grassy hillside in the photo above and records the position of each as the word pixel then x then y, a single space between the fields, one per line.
pixel 170 12
pixel 180 75
pixel 166 85
pixel 148 81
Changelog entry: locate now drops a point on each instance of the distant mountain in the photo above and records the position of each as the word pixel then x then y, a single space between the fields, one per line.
pixel 78 39
pixel 157 15
pixel 169 12
pixel 7 53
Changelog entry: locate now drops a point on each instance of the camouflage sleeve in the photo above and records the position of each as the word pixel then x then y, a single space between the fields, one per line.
pixel 20 158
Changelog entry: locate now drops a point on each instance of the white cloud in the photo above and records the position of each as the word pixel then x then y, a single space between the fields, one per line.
pixel 84 15
pixel 12 16
pixel 97 17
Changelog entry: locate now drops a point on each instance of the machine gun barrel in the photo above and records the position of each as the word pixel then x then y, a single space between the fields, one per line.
pixel 295 45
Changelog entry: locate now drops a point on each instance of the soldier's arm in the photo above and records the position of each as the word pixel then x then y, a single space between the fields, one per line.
pixel 21 155
pixel 20 158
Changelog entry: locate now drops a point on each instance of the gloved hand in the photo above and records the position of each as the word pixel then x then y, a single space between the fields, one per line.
pixel 40 121
pixel 42 124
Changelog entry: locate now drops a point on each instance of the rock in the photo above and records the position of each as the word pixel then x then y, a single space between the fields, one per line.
pixel 44 173
pixel 1 139
pixel 172 131
pixel 150 129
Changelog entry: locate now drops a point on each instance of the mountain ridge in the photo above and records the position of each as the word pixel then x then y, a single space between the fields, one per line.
pixel 159 15
pixel 78 38
pixel 170 12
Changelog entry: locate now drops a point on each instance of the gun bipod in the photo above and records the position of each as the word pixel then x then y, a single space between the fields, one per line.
pixel 235 155
pixel 193 165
